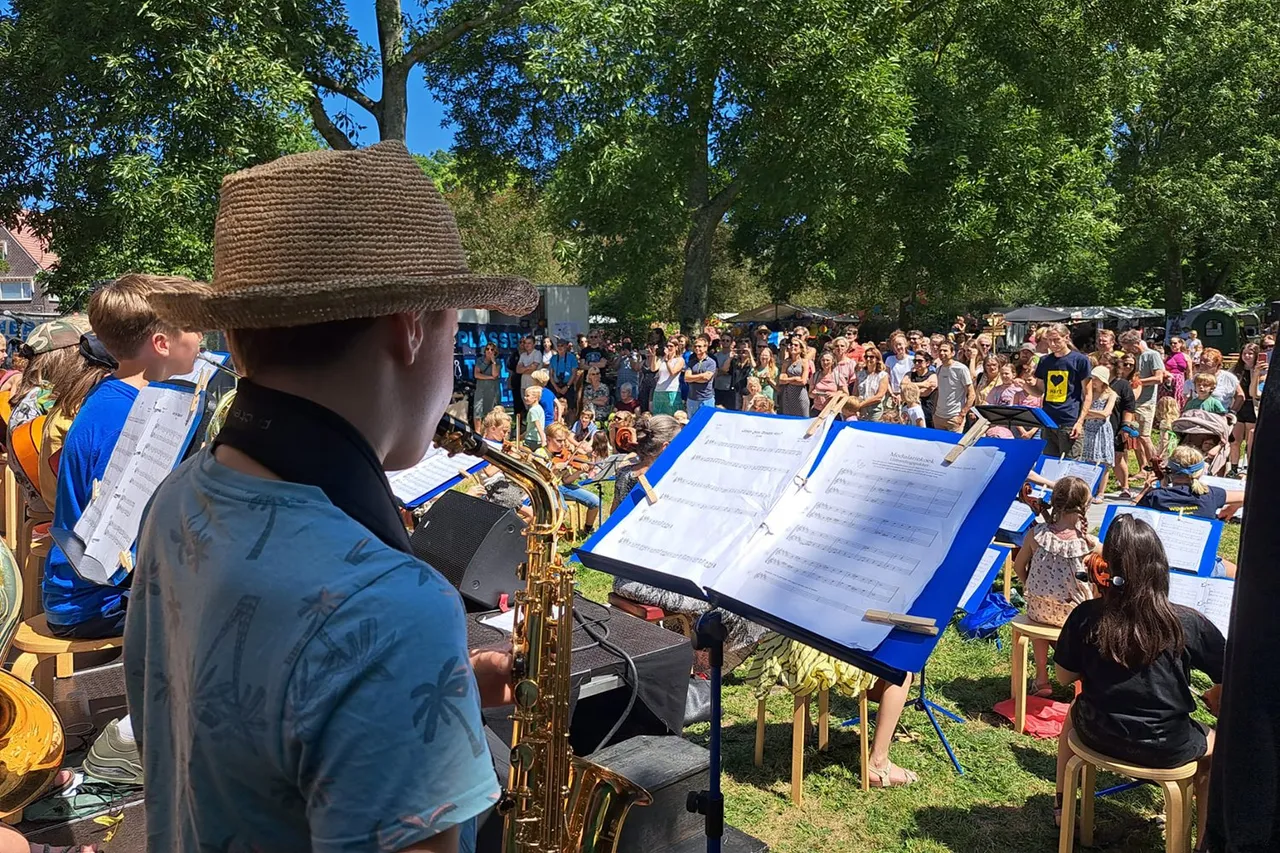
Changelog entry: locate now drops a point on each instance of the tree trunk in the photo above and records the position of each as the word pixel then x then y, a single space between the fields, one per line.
pixel 1173 284
pixel 393 115
pixel 696 283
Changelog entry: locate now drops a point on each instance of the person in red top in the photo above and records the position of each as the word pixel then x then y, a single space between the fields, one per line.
pixel 856 350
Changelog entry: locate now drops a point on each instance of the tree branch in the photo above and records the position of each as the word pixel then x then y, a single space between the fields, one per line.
pixel 332 134
pixel 324 81
pixel 437 41
pixel 918 11
pixel 723 200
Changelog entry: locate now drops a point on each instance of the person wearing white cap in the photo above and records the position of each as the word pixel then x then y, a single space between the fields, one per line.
pixel 1099 435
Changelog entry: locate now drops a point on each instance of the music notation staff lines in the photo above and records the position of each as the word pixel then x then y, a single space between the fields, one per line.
pixel 821 578
pixel 650 548
pixel 739 447
pixel 894 493
pixel 740 465
pixel 901 531
pixel 700 484
pixel 848 549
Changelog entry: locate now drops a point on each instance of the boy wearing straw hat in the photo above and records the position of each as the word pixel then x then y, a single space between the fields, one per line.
pixel 299 680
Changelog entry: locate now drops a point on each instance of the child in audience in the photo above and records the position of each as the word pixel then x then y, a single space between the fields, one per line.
pixel 912 412
pixel 1099 438
pixel 1205 384
pixel 849 411
pixel 584 428
pixel 1049 565
pixel 535 422
pixel 1163 435
pixel 1132 651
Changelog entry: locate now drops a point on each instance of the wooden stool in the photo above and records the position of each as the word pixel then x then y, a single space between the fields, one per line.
pixel 800 726
pixel 12 510
pixel 1024 631
pixel 36 645
pixel 1007 571
pixel 1082 770
pixel 37 553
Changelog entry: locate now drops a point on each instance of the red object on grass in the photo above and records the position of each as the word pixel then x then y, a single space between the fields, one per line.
pixel 1044 716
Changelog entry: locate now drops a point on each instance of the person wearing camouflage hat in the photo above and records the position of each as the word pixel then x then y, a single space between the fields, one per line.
pixel 55 335
pixel 50 347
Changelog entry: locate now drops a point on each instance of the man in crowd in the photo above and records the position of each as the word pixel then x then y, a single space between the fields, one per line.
pixel 856 350
pixel 762 336
pixel 846 366
pixel 299 679
pixel 1148 373
pixel 699 376
pixel 563 368
pixel 1062 378
pixel 594 352
pixel 954 397
pixel 1106 344
pixel 723 383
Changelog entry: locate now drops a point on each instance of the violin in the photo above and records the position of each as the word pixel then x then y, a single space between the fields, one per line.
pixel 1039 506
pixel 570 462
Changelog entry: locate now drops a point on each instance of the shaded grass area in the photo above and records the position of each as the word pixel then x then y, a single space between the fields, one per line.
pixel 1003 802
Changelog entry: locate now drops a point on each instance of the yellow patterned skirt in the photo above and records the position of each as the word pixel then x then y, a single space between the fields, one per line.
pixel 801 669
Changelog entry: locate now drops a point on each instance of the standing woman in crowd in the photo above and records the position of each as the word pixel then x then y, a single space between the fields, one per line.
pixel 793 381
pixel 655 347
pixel 668 367
pixel 766 370
pixel 873 386
pixel 741 369
pixel 1226 390
pixel 1124 418
pixel 595 394
pixel 1099 437
pixel 1005 392
pixel 1025 371
pixel 488 393
pixel 1247 416
pixel 988 376
pixel 924 379
pixel 1179 368
pixel 823 385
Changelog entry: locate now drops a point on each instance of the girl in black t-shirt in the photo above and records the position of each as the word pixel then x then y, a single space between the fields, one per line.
pixel 1133 651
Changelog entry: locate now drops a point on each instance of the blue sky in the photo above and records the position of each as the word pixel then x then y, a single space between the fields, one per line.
pixel 425 133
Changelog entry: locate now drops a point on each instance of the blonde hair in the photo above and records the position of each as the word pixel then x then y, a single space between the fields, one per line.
pixel 1166 412
pixel 497 417
pixel 1070 494
pixel 760 403
pixel 1185 456
pixel 534 391
pixel 851 407
pixel 682 417
pixel 121 314
pixel 558 431
pixel 542 377
pixel 1205 379
pixel 910 393
pixel 753 382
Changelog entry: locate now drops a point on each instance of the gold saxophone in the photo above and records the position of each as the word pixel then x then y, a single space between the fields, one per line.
pixel 554 802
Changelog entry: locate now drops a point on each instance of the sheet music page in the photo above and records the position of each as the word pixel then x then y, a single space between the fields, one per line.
pixel 1210 596
pixel 1184 537
pixel 150 445
pixel 1017 515
pixel 1229 485
pixel 203 371
pixel 1056 469
pixel 433 471
pixel 867 531
pixel 714 496
pixel 989 558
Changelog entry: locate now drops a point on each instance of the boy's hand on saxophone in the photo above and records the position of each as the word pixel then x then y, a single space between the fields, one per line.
pixel 492 665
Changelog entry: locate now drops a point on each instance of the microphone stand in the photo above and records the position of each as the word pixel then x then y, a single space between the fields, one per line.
pixel 709 635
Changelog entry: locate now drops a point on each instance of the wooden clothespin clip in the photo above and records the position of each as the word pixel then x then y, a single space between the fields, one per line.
pixel 967 440
pixel 833 405
pixel 650 495
pixel 196 397
pixel 126 561
pixel 97 489
pixel 914 624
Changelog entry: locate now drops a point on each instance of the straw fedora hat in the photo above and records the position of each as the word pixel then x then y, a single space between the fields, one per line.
pixel 336 235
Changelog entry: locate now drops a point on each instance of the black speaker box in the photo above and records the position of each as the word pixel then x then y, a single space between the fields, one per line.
pixel 476 544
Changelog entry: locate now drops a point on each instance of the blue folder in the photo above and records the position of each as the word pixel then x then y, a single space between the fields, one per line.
pixel 1207 559
pixel 902 651
pixel 443 487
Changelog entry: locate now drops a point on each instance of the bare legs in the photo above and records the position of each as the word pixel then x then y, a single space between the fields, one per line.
pixel 892 699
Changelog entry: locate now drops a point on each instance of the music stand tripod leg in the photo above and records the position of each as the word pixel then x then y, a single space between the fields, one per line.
pixel 922 703
pixel 709 634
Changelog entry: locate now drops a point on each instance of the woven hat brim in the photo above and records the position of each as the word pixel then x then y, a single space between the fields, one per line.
pixel 286 305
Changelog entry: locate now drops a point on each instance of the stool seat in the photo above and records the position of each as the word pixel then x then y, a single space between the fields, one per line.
pixel 1022 624
pixel 34 636
pixel 647 612
pixel 1178 784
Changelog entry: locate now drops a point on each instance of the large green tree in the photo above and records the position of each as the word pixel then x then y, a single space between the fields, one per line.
pixel 1197 155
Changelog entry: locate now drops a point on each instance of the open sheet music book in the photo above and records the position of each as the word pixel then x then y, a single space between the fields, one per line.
pixel 1210 596
pixel 435 473
pixel 1190 543
pixel 808 533
pixel 160 426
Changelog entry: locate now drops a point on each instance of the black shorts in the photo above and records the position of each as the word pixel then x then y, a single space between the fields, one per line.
pixel 1247 413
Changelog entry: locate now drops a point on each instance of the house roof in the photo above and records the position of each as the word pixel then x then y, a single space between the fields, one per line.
pixel 33 245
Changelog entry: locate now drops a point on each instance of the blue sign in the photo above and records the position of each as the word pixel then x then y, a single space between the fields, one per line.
pixel 469 344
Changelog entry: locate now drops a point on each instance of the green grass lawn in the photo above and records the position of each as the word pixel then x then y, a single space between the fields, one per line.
pixel 1002 803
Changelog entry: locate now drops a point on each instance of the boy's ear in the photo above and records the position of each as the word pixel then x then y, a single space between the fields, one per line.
pixel 160 344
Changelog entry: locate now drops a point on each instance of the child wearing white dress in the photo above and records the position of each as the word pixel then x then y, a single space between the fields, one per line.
pixel 1050 565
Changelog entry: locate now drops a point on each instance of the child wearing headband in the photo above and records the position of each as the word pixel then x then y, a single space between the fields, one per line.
pixel 1185 493
pixel 1050 564
pixel 1132 651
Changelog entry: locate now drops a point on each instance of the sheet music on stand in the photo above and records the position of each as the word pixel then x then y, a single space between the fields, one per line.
pixel 435 473
pixel 983 577
pixel 155 434
pixel 1227 485
pixel 818 544
pixel 1190 543
pixel 1210 596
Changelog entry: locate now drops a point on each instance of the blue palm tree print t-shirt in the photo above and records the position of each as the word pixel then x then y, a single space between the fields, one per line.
pixel 295 684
